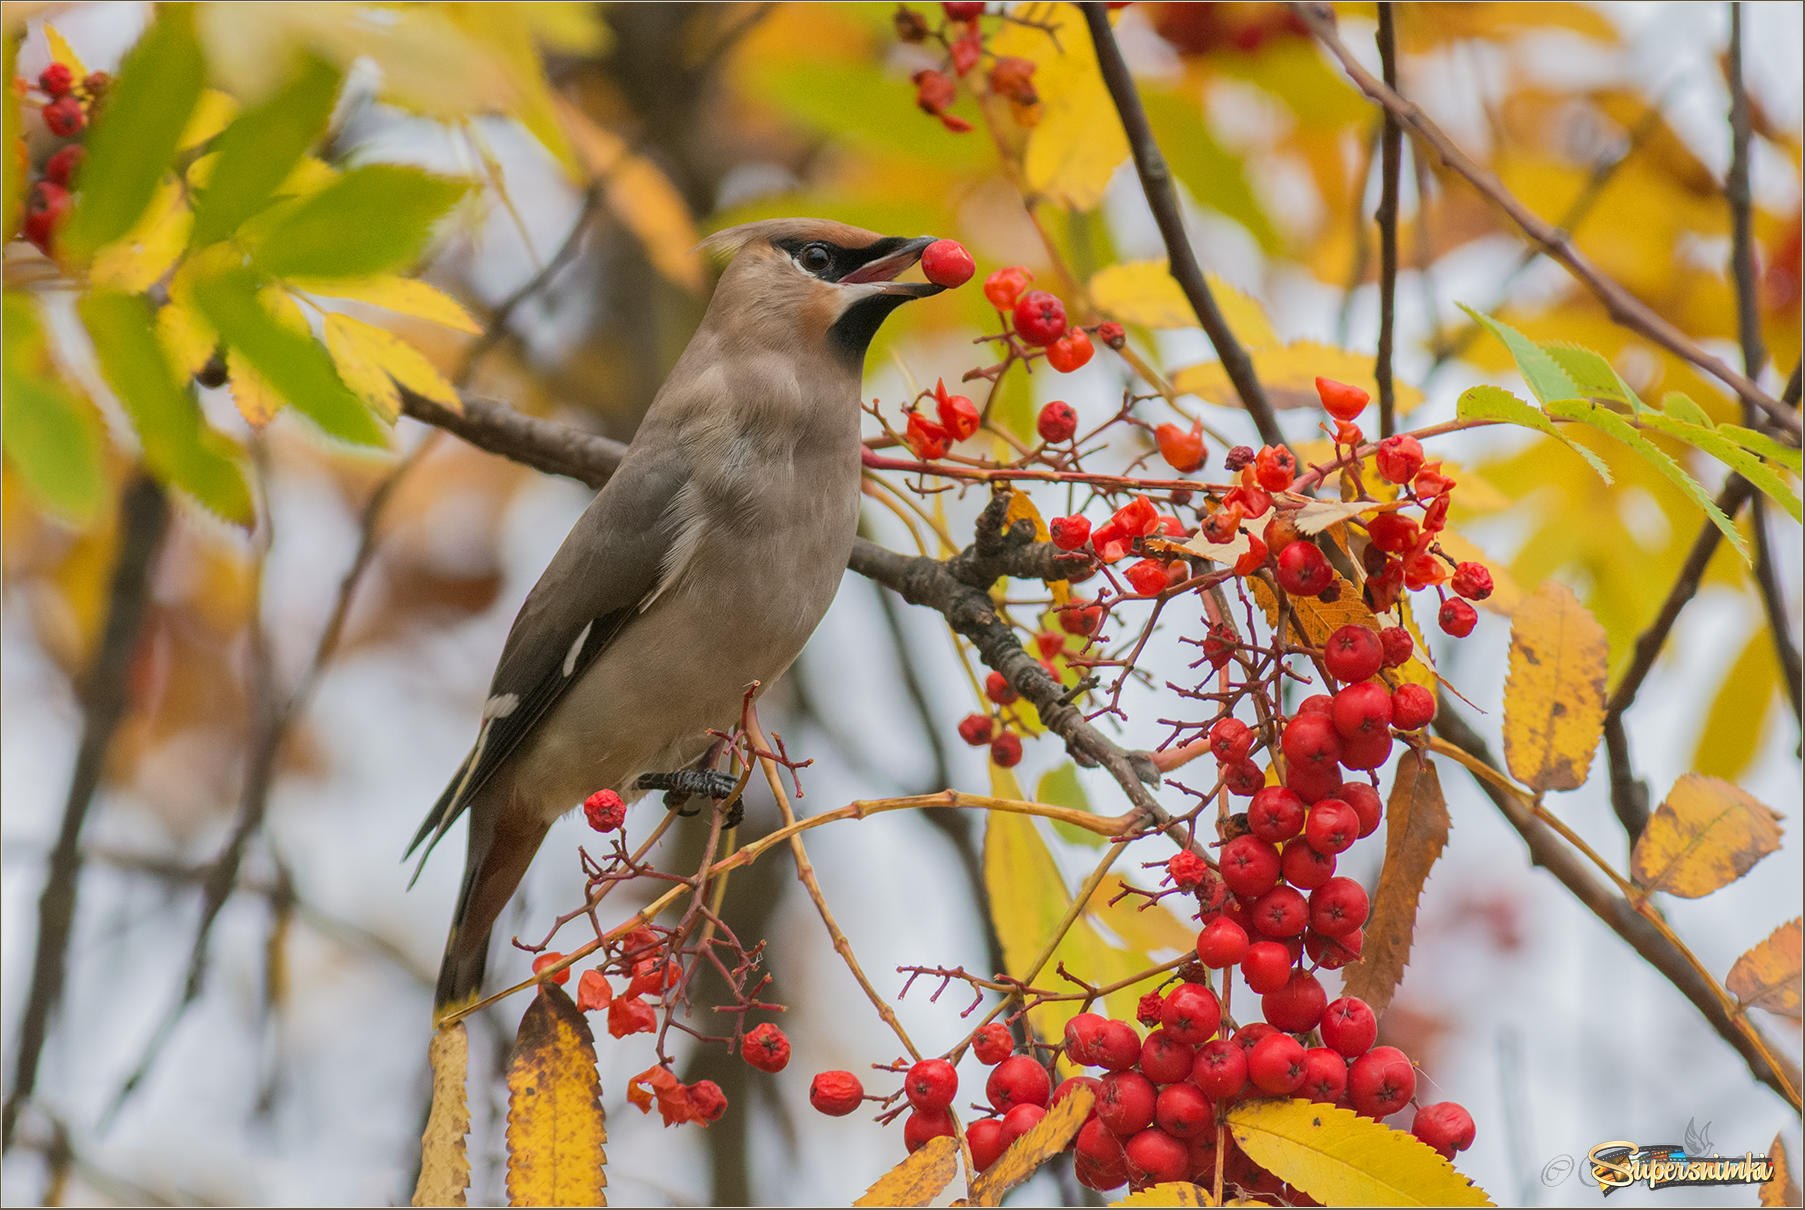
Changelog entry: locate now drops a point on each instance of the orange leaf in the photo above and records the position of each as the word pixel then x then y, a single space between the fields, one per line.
pixel 1706 835
pixel 1768 975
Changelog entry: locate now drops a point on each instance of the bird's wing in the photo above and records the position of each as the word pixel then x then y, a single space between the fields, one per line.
pixel 609 567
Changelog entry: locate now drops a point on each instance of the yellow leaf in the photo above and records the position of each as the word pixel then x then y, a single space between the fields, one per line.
pixel 1554 695
pixel 444 1162
pixel 1342 1159
pixel 918 1180
pixel 1289 374
pixel 1738 714
pixel 210 116
pixel 372 360
pixel 139 258
pixel 640 196
pixel 402 295
pixel 1171 1193
pixel 1044 1140
pixel 1781 1189
pixel 186 337
pixel 1078 144
pixel 1143 292
pixel 1706 835
pixel 258 401
pixel 505 30
pixel 62 52
pixel 555 1124
pixel 1768 975
pixel 1416 832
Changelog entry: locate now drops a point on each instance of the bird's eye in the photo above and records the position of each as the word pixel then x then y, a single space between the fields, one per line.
pixel 815 258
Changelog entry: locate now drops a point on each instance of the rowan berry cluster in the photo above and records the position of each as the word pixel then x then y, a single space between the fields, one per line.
pixel 959 33
pixel 65 105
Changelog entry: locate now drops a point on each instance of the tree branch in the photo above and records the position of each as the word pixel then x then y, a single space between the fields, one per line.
pixel 1162 199
pixel 1391 153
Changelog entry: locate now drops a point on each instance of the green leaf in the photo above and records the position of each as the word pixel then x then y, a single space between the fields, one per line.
pixel 133 143
pixel 1682 406
pixel 179 448
pixel 295 365
pixel 1592 374
pixel 1498 404
pixel 1613 425
pixel 1730 454
pixel 261 147
pixel 51 436
pixel 1060 787
pixel 1546 379
pixel 373 219
pixel 1215 176
pixel 12 200
pixel 1764 446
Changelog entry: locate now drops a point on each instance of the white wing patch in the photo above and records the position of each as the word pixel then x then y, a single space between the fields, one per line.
pixel 504 704
pixel 576 649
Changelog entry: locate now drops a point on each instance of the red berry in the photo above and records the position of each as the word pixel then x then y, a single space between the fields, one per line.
pixel 1069 533
pixel 931 1084
pixel 1332 826
pixel 1325 1075
pixel 1297 1006
pixel 1281 913
pixel 1349 1026
pixel 1100 1162
pixel 1361 709
pixel 977 729
pixel 1165 1059
pixel 1338 907
pixel 1230 740
pixel 927 439
pixel 1058 421
pixel 1365 800
pixel 1004 286
pixel 1266 967
pixel 65 117
pixel 766 1048
pixel 1039 317
pixel 1311 783
pixel 707 1099
pixel 1430 482
pixel 1457 617
pixel 958 416
pixel 1445 1126
pixel 1222 943
pixel 1182 450
pixel 1118 1046
pixel 963 10
pixel 1249 866
pixel 56 79
pixel 1155 1157
pixel 1018 1080
pixel 1412 706
pixel 992 1044
pixel 1333 953
pixel 1367 751
pixel 1191 1015
pixel 1147 1010
pixel 1112 335
pixel 593 991
pixel 1186 870
pixel 550 958
pixel 604 810
pixel 1276 814
pixel 1182 1111
pixel 1472 581
pixel 925 1124
pixel 1392 533
pixel 1303 867
pixel 1311 741
pixel 1399 458
pixel 1250 1035
pixel 985 1138
pixel 1275 467
pixel 1380 1082
pixel 1125 1102
pixel 630 1015
pixel 998 689
pixel 1148 577
pixel 1020 1121
pixel 1302 571
pixel 945 263
pixel 1220 1069
pixel 1353 654
pixel 1013 77
pixel 1070 351
pixel 60 167
pixel 1243 778
pixel 1068 1085
pixel 1276 1065
pixel 1340 400
pixel 1398 646
pixel 1080 617
pixel 1006 750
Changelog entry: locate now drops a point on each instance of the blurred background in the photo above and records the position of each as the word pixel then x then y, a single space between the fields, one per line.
pixel 297 1074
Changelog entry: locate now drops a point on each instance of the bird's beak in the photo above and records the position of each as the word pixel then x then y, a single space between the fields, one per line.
pixel 882 272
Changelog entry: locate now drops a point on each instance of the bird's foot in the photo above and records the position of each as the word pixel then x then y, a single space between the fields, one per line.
pixel 680 786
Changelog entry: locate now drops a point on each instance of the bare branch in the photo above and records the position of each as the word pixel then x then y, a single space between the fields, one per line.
pixel 1391 153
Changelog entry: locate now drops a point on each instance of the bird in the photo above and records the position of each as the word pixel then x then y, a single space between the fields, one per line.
pixel 700 568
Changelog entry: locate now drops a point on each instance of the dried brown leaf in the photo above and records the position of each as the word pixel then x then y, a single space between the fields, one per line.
pixel 1768 975
pixel 1416 833
pixel 444 1162
pixel 919 1179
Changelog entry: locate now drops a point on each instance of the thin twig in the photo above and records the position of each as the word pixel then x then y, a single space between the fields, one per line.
pixel 1391 154
pixel 1162 199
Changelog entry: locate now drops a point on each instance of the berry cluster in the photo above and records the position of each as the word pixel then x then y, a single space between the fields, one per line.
pixel 65 105
pixel 960 35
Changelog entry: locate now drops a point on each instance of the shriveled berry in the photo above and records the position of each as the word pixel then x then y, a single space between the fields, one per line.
pixel 931 1084
pixel 1230 739
pixel 1472 581
pixel 1456 617
pixel 1070 351
pixel 1186 870
pixel 766 1048
pixel 604 810
pixel 1302 570
pixel 1276 1065
pixel 1221 943
pixel 1341 400
pixel 1125 1102
pixel 593 991
pixel 1191 1015
pixel 946 263
pixel 1058 421
pixel 977 729
pixel 1412 706
pixel 1266 966
pixel 1069 533
pixel 1349 1026
pixel 1182 449
pixel 998 689
pixel 1081 617
pixel 1445 1126
pixel 1148 577
pixel 1275 467
pixel 1398 646
pixel 631 1015
pixel 1393 533
pixel 1147 1010
pixel 1399 458
pixel 925 1124
pixel 926 438
pixel 985 1138
pixel 1004 286
pixel 1112 334
pixel 707 1099
pixel 56 79
pixel 992 1044
pixel 1039 317
pixel 1006 750
pixel 1018 1080
pixel 958 416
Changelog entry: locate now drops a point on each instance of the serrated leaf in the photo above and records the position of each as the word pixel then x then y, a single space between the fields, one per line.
pixel 257 399
pixel 139 259
pixel 1044 1140
pixel 295 365
pixel 1764 446
pixel 1592 374
pixel 1782 1188
pixel 919 1179
pixel 185 337
pixel 1613 425
pixel 1546 378
pixel 555 1124
pixel 1730 454
pixel 444 1160
pixel 266 142
pixel 1706 835
pixel 51 435
pixel 1554 695
pixel 1768 975
pixel 1168 1193
pixel 1416 832
pixel 1078 143
pixel 133 140
pixel 179 448
pixel 373 360
pixel 373 219
pixel 402 295
pixel 1144 292
pixel 1684 408
pixel 1342 1159
pixel 1289 373
pixel 1497 404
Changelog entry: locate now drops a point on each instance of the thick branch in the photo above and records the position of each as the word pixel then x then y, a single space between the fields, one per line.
pixel 1391 153
pixel 1162 199
pixel 1623 307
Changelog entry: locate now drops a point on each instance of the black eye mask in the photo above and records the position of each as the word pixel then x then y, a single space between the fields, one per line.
pixel 841 262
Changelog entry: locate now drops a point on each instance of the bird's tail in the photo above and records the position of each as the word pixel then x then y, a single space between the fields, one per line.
pixel 502 844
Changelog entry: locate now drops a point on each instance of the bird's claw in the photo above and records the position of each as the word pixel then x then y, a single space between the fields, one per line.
pixel 684 784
